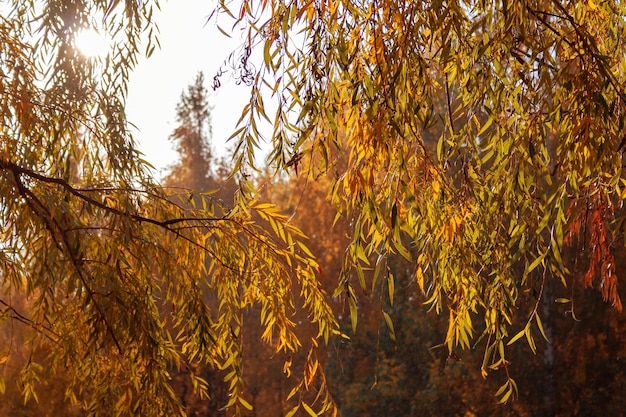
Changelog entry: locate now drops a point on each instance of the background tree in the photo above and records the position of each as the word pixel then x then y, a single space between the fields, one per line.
pixel 194 170
pixel 528 161
pixel 113 274
pixel 197 168
pixel 192 139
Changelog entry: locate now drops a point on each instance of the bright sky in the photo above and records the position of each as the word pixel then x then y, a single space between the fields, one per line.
pixel 188 44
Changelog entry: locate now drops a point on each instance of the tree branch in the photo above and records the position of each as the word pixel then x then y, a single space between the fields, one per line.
pixel 41 328
pixel 59 235
pixel 4 164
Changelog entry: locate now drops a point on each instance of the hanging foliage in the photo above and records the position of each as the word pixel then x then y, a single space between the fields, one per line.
pixel 117 282
pixel 482 138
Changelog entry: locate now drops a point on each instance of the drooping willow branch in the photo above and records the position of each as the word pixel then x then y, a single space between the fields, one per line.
pixel 59 235
pixel 80 193
pixel 58 232
pixel 12 313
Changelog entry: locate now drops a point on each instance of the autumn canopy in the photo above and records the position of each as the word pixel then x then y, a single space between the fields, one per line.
pixel 481 142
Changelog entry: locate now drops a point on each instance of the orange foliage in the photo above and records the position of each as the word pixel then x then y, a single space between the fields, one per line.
pixel 595 217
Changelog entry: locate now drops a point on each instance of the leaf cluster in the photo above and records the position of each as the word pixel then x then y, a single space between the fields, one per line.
pixel 481 139
pixel 121 283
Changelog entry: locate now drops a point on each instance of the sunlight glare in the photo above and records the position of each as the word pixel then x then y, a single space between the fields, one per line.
pixel 91 43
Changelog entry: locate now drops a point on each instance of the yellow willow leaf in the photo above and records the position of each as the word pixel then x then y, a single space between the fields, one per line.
pixel 390 287
pixel 389 323
pixel 506 396
pixel 540 325
pixel 309 410
pixel 293 411
pixel 353 312
pixel 419 276
pixel 245 403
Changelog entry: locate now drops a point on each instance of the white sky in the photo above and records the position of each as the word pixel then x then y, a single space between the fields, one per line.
pixel 188 44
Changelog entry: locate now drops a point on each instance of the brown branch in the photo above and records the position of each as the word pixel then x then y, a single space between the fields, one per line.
pixel 41 328
pixel 57 231
pixel 449 104
pixel 4 164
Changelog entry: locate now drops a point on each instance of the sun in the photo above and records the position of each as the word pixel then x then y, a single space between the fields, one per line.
pixel 91 43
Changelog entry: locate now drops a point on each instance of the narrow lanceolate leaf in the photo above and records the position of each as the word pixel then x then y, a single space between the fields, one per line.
pixel 538 260
pixel 540 325
pixel 450 137
pixel 380 264
pixel 484 137
pixel 293 411
pixel 517 336
pixel 389 323
pixel 245 403
pixel 309 410
pixel 353 312
pixel 390 287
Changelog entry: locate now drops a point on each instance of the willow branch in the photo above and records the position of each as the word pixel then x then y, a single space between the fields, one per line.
pixel 80 194
pixel 41 328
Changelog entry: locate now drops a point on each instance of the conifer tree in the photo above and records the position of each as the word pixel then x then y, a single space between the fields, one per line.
pixel 192 139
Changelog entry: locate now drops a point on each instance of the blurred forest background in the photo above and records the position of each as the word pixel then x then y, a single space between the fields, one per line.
pixel 579 371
